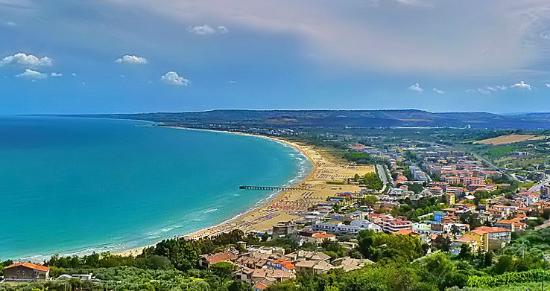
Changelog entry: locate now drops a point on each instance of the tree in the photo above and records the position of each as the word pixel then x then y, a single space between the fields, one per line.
pixel 440 270
pixel 183 254
pixel 415 187
pixel 442 243
pixel 488 259
pixel 381 246
pixel 238 286
pixel 369 200
pixel 372 181
pixel 223 269
pixel 504 264
pixel 465 252
pixel 455 230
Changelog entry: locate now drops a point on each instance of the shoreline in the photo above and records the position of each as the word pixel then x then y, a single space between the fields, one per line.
pixel 207 231
pixel 286 205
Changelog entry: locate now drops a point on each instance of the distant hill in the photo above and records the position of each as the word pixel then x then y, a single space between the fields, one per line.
pixel 346 118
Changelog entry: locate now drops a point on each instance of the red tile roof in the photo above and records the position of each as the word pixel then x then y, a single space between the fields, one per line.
pixel 220 257
pixel 489 229
pixel 29 265
pixel 322 235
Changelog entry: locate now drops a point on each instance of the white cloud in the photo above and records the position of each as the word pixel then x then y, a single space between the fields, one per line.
pixel 488 90
pixel 27 60
pixel 10 23
pixel 547 85
pixel 521 85
pixel 207 29
pixel 416 87
pixel 32 75
pixel 438 91
pixel 56 75
pixel 131 59
pixel 173 78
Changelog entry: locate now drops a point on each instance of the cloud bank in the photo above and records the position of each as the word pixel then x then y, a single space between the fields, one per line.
pixel 423 36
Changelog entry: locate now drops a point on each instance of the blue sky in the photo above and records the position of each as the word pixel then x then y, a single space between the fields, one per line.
pixel 62 56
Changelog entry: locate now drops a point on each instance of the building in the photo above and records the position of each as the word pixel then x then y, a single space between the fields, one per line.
pixel 313 267
pixel 26 272
pixel 209 260
pixel 514 224
pixel 283 229
pixel 354 227
pixel 492 238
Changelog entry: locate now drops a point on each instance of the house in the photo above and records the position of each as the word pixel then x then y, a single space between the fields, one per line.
pixel 281 264
pixel 349 264
pixel 467 239
pixel 514 224
pixel 211 259
pixel 271 275
pixel 313 267
pixel 492 238
pixel 26 272
pixel 320 237
pixel 82 277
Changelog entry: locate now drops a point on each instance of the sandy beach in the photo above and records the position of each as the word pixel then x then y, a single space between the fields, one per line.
pixel 289 205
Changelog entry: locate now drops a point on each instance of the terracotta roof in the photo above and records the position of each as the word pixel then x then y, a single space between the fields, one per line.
pixel 285 263
pixel 404 232
pixel 261 286
pixel 322 235
pixel 489 229
pixel 29 265
pixel 220 257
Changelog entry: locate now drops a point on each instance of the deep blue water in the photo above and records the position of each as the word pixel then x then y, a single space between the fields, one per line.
pixel 73 185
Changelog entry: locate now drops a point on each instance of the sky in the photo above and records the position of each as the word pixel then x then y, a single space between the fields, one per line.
pixel 123 56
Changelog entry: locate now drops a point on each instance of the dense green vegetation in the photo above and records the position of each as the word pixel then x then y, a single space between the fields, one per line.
pixel 370 180
pixel 170 265
pixel 401 264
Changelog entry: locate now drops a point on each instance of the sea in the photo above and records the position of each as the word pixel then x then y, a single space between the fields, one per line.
pixel 72 186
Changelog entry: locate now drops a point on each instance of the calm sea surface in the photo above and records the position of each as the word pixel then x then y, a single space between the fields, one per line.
pixel 76 185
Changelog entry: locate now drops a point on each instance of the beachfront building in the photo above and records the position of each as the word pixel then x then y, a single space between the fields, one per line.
pixel 283 229
pixel 354 227
pixel 26 272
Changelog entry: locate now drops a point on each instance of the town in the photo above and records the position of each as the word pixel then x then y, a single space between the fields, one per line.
pixel 430 197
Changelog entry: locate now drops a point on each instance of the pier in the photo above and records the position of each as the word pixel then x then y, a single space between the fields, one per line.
pixel 269 188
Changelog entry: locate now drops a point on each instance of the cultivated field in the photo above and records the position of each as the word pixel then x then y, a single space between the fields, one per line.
pixel 510 138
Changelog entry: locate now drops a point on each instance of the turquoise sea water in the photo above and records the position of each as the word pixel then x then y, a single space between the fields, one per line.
pixel 76 185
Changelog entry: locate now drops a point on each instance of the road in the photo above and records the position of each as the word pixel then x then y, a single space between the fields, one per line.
pixel 537 186
pixel 491 165
pixel 383 174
